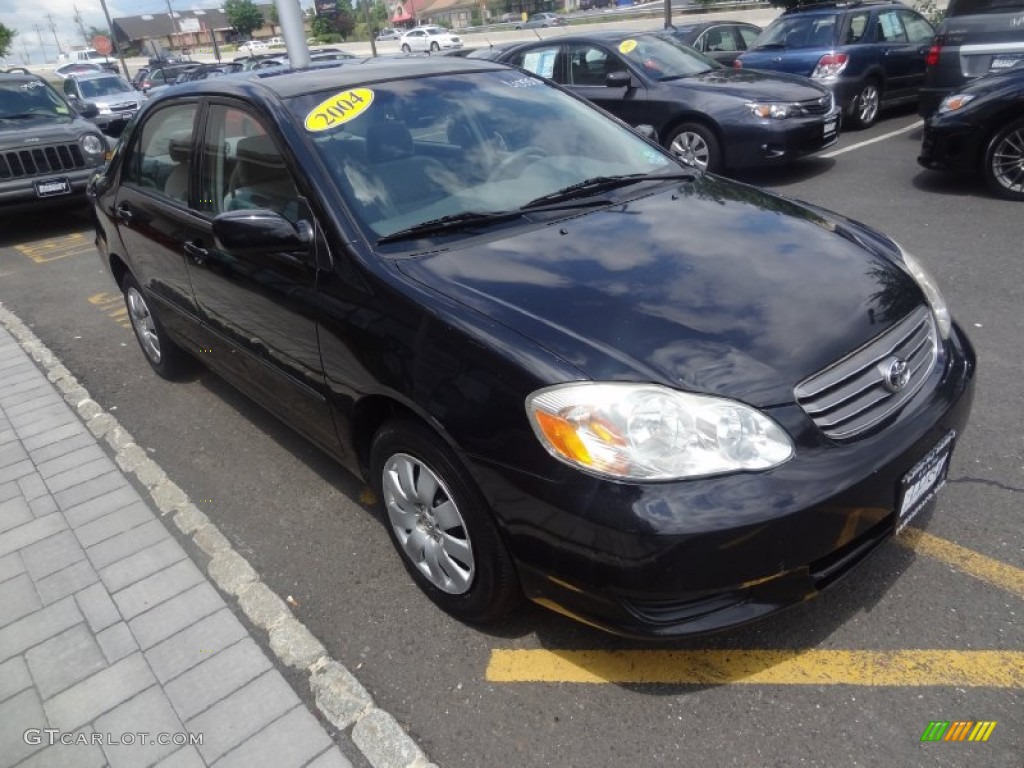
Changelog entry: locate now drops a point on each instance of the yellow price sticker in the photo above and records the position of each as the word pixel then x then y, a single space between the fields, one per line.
pixel 339 109
pixel 627 46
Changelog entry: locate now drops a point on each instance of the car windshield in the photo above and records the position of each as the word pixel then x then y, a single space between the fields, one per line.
pixel 451 147
pixel 103 86
pixel 973 7
pixel 27 98
pixel 663 57
pixel 815 31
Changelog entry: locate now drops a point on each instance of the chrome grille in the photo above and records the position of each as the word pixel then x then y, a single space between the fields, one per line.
pixel 40 161
pixel 820 106
pixel 850 397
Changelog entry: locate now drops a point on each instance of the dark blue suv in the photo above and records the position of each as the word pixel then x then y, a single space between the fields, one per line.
pixel 871 55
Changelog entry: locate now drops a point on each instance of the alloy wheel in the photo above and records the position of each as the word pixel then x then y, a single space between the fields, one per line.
pixel 1007 162
pixel 867 104
pixel 692 149
pixel 427 523
pixel 144 325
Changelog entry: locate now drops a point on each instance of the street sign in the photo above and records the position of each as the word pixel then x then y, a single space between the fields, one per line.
pixel 102 44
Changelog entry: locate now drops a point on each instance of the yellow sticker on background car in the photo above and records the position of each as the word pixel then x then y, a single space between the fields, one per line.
pixel 627 46
pixel 339 109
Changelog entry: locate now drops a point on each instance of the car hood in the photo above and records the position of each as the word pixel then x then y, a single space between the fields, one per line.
pixel 125 97
pixel 26 133
pixel 710 286
pixel 752 84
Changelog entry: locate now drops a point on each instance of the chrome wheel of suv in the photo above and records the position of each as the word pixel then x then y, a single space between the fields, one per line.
pixel 866 106
pixel 1004 162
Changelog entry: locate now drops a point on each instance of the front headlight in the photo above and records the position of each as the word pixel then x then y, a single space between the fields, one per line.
pixel 955 102
pixel 931 291
pixel 773 110
pixel 104 109
pixel 649 432
pixel 93 145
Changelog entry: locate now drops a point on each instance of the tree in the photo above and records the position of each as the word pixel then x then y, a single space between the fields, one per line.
pixel 243 16
pixel 6 40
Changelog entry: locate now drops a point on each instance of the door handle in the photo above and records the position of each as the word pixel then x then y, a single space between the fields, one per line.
pixel 196 252
pixel 123 214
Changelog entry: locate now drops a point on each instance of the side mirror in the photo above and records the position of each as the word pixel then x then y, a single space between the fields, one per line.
pixel 260 231
pixel 86 109
pixel 647 131
pixel 621 79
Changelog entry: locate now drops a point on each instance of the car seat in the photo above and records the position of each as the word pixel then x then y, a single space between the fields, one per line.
pixel 410 181
pixel 179 148
pixel 261 179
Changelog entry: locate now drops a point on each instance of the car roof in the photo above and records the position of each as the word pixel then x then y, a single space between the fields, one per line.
pixel 17 77
pixel 839 7
pixel 285 81
pixel 92 75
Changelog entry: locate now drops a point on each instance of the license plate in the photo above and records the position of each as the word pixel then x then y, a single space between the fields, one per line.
pixel 831 125
pixel 923 481
pixel 1005 62
pixel 51 187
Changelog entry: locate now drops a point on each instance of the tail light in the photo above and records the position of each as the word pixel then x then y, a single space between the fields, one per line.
pixel 830 65
pixel 934 52
pixel 737 64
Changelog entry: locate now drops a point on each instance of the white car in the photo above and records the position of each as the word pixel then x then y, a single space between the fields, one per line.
pixel 275 42
pixel 254 46
pixel 429 39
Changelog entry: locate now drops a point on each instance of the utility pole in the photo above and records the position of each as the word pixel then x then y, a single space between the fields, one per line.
pixel 53 29
pixel 39 34
pixel 174 25
pixel 113 38
pixel 81 25
pixel 26 56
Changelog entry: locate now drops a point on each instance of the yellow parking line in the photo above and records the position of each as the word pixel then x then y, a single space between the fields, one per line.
pixel 43 251
pixel 965 560
pixel 991 669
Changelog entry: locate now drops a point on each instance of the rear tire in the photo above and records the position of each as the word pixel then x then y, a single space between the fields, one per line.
pixel 441 525
pixel 866 105
pixel 163 355
pixel 406 48
pixel 1003 162
pixel 434 47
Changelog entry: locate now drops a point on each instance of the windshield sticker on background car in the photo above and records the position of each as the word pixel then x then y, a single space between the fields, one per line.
pixel 540 63
pixel 626 46
pixel 339 109
pixel 32 85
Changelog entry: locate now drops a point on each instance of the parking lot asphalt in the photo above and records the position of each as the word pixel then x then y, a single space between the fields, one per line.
pixel 928 629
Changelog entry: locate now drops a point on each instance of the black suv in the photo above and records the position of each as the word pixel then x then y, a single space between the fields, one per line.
pixel 48 150
pixel 977 38
pixel 869 54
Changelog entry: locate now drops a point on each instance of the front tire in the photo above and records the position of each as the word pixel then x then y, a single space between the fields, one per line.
pixel 163 355
pixel 441 525
pixel 866 105
pixel 1003 162
pixel 696 145
pixel 434 47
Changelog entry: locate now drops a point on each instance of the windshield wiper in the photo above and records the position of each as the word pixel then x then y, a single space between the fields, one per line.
pixel 600 184
pixel 455 221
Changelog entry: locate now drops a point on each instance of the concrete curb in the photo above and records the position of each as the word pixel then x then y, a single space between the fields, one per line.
pixel 339 696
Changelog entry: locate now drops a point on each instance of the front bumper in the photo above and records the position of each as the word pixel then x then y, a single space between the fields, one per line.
pixel 19 195
pixel 929 99
pixel 950 144
pixel 672 559
pixel 775 142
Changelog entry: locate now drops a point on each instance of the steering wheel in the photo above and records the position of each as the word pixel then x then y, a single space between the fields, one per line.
pixel 514 164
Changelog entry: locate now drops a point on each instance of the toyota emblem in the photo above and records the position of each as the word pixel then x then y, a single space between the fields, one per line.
pixel 895 374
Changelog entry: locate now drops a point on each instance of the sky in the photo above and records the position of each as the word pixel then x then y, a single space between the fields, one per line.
pixel 22 15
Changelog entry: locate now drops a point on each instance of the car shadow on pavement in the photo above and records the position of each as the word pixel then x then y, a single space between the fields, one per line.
pixel 786 175
pixel 955 185
pixel 55 222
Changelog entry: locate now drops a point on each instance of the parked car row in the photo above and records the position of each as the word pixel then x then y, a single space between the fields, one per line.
pixel 572 367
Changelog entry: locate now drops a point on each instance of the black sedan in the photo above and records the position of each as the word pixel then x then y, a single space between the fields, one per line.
pixel 571 366
pixel 722 40
pixel 980 128
pixel 712 117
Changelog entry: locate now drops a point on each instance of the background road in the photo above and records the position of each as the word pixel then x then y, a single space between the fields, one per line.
pixel 306 527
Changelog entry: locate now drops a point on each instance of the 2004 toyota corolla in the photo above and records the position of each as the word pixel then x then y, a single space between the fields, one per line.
pixel 573 368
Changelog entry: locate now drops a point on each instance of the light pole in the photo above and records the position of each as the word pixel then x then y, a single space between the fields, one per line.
pixel 113 36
